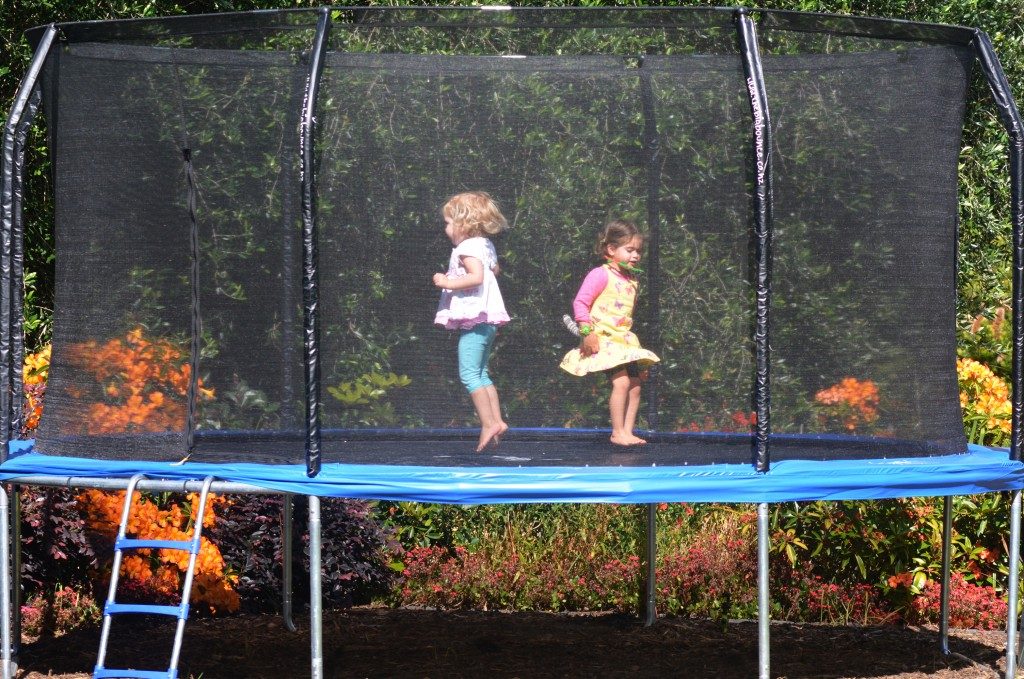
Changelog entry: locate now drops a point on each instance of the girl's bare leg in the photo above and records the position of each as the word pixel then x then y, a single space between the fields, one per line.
pixel 496 417
pixel 632 408
pixel 617 403
pixel 488 427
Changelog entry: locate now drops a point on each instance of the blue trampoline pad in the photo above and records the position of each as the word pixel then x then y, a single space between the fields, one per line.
pixel 980 470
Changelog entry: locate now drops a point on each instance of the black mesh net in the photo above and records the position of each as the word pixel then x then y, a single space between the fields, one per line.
pixel 567 119
pixel 867 138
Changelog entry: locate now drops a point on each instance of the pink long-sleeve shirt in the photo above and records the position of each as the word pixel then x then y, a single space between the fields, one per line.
pixel 592 286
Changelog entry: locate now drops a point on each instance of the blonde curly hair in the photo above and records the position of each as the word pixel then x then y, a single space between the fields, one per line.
pixel 474 213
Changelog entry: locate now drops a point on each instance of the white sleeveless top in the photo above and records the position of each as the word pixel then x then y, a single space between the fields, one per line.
pixel 463 309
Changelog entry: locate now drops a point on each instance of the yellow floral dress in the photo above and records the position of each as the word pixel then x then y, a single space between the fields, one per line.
pixel 611 316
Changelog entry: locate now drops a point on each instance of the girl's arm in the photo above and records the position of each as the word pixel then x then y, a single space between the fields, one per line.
pixel 474 275
pixel 592 286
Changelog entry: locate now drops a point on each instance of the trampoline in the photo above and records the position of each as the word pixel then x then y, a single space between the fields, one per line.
pixel 247 221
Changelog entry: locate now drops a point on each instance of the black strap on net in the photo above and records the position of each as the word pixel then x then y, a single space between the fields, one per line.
pixel 196 329
pixel 762 148
pixel 652 164
pixel 1009 115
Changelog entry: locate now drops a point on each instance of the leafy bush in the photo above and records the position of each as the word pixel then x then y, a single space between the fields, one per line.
pixel 970 605
pixel 57 611
pixel 357 552
pixel 54 546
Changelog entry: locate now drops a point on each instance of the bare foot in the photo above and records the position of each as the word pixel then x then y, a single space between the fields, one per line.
pixel 501 432
pixel 627 440
pixel 487 435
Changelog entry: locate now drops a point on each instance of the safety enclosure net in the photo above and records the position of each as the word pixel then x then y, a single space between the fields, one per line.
pixel 182 249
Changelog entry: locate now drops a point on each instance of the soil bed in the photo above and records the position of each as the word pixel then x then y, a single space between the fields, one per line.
pixel 379 642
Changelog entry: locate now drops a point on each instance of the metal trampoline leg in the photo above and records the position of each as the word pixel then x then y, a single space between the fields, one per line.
pixel 947 537
pixel 5 583
pixel 16 571
pixel 763 612
pixel 287 509
pixel 315 591
pixel 1013 587
pixel 649 604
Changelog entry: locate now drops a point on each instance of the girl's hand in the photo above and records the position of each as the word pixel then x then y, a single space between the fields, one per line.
pixel 590 345
pixel 440 280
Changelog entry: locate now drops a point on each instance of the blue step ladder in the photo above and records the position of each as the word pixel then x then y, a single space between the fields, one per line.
pixel 180 611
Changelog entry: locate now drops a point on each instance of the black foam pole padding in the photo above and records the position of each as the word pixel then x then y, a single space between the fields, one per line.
pixel 652 163
pixel 1009 114
pixel 18 265
pixel 762 147
pixel 310 290
pixel 7 200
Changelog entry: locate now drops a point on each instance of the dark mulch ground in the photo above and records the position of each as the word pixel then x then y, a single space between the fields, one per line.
pixel 377 642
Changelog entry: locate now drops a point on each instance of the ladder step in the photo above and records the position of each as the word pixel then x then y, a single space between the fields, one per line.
pixel 176 611
pixel 132 543
pixel 132 674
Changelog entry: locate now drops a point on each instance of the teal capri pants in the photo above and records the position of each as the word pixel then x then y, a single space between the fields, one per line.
pixel 474 352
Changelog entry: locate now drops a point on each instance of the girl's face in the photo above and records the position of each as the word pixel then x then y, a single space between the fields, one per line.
pixel 449 230
pixel 628 251
pixel 455 235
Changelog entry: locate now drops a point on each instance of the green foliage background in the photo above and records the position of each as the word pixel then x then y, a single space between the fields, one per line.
pixel 984 264
pixel 984 206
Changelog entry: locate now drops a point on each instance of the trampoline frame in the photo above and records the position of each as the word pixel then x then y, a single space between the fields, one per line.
pixel 11 272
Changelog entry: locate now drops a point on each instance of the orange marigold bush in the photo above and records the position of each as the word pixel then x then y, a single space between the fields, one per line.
pixel 33 377
pixel 852 403
pixel 159 572
pixel 143 382
pixel 985 399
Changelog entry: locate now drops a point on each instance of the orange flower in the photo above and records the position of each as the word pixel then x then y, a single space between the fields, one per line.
pixel 162 570
pixel 984 395
pixel 143 383
pixel 852 402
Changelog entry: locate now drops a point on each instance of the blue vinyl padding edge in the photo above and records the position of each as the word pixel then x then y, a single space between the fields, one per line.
pixel 979 470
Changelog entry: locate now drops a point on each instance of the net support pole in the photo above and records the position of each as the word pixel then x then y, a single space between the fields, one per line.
pixel 1009 115
pixel 649 604
pixel 1013 587
pixel 310 278
pixel 947 536
pixel 762 149
pixel 287 535
pixel 5 577
pixel 763 602
pixel 316 617
pixel 25 102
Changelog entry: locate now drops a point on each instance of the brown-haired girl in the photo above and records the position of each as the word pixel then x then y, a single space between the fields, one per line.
pixel 471 301
pixel 603 308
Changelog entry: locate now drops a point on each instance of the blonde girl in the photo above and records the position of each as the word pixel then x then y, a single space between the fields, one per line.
pixel 603 309
pixel 471 301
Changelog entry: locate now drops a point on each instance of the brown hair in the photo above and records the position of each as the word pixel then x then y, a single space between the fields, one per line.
pixel 615 233
pixel 474 213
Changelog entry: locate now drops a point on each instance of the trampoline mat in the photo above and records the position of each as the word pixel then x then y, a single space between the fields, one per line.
pixel 544 447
